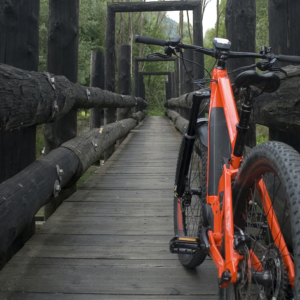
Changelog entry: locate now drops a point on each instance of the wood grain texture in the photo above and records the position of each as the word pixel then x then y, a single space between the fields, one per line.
pixel 112 243
pixel 153 6
pixel 284 26
pixel 28 98
pixel 240 21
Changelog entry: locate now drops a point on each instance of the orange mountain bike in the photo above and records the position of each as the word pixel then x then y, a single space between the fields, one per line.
pixel 244 212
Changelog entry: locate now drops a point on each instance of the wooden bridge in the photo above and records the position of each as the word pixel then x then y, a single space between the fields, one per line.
pixel 110 239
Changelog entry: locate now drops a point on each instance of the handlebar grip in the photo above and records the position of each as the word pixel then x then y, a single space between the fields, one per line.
pixel 149 40
pixel 288 58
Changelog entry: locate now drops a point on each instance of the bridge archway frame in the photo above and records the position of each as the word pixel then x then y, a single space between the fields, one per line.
pixel 155 59
pixel 113 8
pixel 169 74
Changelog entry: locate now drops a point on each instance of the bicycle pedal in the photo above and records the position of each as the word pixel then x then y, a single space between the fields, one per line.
pixel 184 245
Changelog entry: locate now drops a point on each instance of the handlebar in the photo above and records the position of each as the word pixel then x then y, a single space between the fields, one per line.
pixel 150 41
pixel 212 53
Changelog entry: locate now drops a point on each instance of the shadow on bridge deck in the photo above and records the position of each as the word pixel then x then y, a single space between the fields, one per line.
pixel 110 239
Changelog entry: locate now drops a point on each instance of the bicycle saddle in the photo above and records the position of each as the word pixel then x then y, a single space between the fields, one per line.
pixel 268 82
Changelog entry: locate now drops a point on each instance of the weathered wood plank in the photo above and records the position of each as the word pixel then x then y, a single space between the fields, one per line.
pixel 125 277
pixel 103 209
pixel 55 296
pixel 111 243
pixel 86 195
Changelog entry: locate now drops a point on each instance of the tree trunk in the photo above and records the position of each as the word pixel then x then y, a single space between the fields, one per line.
pixel 218 18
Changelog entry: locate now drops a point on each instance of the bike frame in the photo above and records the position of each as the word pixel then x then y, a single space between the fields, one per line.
pixel 222 97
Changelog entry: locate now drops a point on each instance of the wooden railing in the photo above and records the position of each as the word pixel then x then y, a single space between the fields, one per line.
pixel 279 111
pixel 31 98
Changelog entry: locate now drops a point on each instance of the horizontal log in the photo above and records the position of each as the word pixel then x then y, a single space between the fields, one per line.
pixel 279 110
pixel 186 101
pixel 153 6
pixel 24 194
pixel 28 98
pixel 155 73
pixel 88 147
pixel 179 122
pixel 154 58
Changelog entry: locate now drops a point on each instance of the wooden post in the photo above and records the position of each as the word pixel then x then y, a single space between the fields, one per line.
pixel 97 80
pixel 240 27
pixel 176 77
pixel 124 78
pixel 198 40
pixel 62 59
pixel 141 86
pixel 19 40
pixel 110 114
pixel 168 91
pixel 284 24
pixel 187 85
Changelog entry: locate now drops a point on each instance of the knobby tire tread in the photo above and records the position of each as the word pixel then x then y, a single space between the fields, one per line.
pixel 285 162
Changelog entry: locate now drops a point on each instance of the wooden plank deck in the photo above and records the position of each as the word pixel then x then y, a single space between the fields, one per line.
pixel 110 239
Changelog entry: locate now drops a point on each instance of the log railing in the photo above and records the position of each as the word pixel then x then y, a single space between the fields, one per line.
pixel 31 98
pixel 279 111
pixel 25 193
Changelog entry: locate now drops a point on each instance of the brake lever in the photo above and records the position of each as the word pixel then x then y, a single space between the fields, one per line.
pixel 266 65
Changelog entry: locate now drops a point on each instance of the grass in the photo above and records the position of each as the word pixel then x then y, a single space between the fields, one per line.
pixel 262 134
pixel 155 112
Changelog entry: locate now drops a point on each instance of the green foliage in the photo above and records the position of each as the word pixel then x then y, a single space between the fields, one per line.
pixel 262 24
pixel 92 24
pixel 262 134
pixel 44 12
pixel 211 33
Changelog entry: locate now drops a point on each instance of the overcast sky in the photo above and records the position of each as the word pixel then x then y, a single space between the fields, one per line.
pixel 209 20
pixel 210 15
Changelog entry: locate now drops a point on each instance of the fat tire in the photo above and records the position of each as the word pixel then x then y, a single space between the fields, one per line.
pixel 195 259
pixel 284 162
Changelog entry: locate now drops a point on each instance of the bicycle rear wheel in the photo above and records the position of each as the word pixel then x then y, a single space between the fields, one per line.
pixel 191 213
pixel 267 188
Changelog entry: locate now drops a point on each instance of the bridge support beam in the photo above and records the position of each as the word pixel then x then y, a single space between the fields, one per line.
pixel 284 24
pixel 97 80
pixel 240 29
pixel 62 59
pixel 19 40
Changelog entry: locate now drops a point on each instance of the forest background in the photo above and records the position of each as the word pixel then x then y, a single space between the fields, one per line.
pixel 92 22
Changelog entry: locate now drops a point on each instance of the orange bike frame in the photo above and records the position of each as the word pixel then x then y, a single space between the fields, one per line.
pixel 222 96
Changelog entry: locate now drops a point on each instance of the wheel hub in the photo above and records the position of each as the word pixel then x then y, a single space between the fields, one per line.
pixel 274 279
